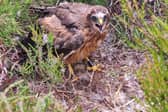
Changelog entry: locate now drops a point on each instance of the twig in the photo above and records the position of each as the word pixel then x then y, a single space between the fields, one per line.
pixel 62 91
pixel 13 85
pixel 108 104
pixel 91 79
pixel 129 102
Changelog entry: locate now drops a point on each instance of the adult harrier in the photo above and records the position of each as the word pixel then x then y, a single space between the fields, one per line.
pixel 78 29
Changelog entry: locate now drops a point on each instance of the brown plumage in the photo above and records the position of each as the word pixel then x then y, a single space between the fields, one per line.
pixel 78 29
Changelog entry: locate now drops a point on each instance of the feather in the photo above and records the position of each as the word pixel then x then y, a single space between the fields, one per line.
pixel 76 35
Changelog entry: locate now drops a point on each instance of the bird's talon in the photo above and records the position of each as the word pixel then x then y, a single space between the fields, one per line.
pixel 95 68
pixel 72 74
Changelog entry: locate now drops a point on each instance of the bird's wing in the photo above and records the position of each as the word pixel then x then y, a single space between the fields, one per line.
pixel 73 14
pixel 65 41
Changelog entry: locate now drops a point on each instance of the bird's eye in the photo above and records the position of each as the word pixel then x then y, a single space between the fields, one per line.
pixel 104 18
pixel 94 18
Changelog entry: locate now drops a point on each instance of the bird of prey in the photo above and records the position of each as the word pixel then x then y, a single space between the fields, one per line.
pixel 78 29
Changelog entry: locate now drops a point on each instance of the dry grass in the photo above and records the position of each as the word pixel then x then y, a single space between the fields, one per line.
pixel 38 85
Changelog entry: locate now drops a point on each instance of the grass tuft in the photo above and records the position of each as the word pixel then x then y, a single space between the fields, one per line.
pixel 147 28
pixel 142 26
pixel 18 98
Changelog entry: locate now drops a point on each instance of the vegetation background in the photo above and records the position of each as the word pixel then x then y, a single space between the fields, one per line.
pixel 139 25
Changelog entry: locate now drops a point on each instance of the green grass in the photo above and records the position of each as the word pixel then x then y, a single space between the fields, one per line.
pixel 11 10
pixel 48 67
pixel 130 27
pixel 22 100
pixel 14 19
pixel 149 35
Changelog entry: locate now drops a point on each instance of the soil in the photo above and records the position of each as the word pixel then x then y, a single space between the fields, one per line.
pixel 114 89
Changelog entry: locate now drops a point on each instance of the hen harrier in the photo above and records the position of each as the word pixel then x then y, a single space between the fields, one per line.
pixel 78 29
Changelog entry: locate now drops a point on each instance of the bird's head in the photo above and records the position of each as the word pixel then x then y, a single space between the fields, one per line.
pixel 99 18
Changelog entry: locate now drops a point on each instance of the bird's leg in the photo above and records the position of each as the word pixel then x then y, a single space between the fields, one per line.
pixel 71 73
pixel 89 62
pixel 92 66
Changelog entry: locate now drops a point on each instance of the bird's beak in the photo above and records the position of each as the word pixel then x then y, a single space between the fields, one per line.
pixel 100 20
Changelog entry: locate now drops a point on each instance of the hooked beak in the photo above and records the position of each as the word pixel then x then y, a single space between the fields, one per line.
pixel 100 24
pixel 100 20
